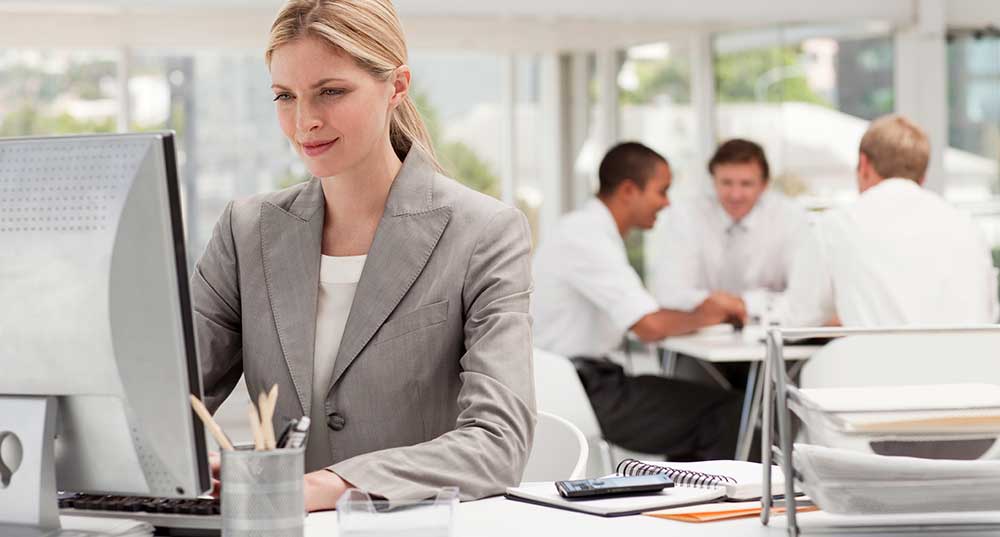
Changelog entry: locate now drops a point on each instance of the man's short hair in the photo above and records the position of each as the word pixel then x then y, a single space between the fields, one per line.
pixel 896 147
pixel 627 161
pixel 740 151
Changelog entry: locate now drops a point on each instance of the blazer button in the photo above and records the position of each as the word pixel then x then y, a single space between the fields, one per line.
pixel 336 421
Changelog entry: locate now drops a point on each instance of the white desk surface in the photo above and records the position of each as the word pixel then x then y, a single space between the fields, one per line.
pixel 498 517
pixel 722 343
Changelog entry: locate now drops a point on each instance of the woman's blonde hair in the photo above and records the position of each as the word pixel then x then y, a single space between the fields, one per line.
pixel 369 31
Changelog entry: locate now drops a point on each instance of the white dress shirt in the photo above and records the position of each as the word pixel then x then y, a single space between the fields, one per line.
pixel 338 280
pixel 900 255
pixel 586 294
pixel 700 249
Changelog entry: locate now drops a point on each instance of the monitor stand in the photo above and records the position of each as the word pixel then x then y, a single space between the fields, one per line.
pixel 28 503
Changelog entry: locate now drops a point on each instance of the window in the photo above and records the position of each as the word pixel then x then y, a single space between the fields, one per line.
pixel 462 113
pixel 806 94
pixel 528 147
pixel 58 92
pixel 229 143
pixel 655 95
pixel 971 162
pixel 974 117
pixel 654 85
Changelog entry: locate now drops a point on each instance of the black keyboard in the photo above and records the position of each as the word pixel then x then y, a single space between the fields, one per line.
pixel 197 517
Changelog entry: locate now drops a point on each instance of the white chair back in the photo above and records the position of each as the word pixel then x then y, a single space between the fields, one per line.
pixel 904 359
pixel 559 451
pixel 558 391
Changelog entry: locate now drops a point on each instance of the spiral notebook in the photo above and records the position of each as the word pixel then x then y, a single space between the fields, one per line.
pixel 695 483
pixel 739 480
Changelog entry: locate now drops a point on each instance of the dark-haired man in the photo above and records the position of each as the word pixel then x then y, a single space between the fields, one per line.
pixel 587 297
pixel 739 238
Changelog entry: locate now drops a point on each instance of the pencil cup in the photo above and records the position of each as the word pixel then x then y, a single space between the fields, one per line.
pixel 262 493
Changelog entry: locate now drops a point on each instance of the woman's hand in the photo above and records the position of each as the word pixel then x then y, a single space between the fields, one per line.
pixel 322 490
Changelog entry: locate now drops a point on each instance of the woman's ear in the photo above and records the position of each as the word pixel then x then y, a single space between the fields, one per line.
pixel 400 79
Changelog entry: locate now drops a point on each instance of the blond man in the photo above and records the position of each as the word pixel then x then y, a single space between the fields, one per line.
pixel 900 254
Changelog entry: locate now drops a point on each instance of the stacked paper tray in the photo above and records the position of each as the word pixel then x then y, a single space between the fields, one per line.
pixel 851 483
pixel 953 421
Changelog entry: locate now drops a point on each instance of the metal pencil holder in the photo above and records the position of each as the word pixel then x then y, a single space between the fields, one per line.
pixel 262 493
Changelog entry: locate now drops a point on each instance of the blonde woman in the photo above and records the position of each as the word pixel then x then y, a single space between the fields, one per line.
pixel 387 302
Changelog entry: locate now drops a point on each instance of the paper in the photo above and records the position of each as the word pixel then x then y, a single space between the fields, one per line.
pixel 923 522
pixel 546 493
pixel 720 511
pixel 113 527
pixel 924 422
pixel 849 482
pixel 749 476
pixel 902 398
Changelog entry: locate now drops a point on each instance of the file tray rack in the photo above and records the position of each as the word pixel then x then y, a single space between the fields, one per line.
pixel 360 515
pixel 777 402
pixel 963 429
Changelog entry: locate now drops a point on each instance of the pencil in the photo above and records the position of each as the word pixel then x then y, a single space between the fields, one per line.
pixel 255 429
pixel 210 424
pixel 267 404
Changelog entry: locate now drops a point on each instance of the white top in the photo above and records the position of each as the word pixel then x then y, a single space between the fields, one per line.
pixel 586 294
pixel 700 249
pixel 338 279
pixel 900 255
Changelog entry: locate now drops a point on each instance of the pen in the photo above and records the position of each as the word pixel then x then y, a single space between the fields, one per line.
pixel 297 437
pixel 283 437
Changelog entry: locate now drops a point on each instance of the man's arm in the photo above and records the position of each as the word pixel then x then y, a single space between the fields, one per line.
pixel 717 308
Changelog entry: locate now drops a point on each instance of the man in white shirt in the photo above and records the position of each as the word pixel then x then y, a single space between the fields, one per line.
pixel 900 254
pixel 738 239
pixel 587 296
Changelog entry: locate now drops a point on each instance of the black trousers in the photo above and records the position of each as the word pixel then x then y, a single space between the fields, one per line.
pixel 683 420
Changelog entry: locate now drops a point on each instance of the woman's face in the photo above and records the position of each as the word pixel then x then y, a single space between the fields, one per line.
pixel 334 113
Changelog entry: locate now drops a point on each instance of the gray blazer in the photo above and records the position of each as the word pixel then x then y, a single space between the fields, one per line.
pixel 432 384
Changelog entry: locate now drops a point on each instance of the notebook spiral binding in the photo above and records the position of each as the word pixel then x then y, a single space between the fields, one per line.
pixel 689 478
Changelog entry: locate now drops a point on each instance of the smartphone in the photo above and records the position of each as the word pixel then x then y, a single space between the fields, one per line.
pixel 612 486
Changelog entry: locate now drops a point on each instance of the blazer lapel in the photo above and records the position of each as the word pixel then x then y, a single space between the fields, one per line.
pixel 290 247
pixel 407 234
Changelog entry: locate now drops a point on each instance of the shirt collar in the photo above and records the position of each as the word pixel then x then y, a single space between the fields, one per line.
pixel 893 183
pixel 749 221
pixel 603 215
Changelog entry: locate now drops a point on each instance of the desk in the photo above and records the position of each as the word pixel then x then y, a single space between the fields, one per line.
pixel 721 343
pixel 498 517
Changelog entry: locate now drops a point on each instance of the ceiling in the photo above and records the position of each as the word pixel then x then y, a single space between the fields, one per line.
pixel 510 24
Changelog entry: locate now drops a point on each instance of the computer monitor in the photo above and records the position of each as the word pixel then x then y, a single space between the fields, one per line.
pixel 97 348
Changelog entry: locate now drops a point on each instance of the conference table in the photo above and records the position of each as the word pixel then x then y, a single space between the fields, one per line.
pixel 724 344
